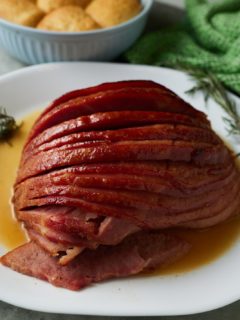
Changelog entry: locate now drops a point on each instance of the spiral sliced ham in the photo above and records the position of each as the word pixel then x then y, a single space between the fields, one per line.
pixel 104 170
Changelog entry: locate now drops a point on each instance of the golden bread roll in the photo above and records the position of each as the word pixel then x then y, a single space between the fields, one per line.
pixel 68 18
pixel 23 12
pixel 109 13
pixel 50 5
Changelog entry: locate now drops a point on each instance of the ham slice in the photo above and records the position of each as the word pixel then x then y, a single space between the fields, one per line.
pixel 137 253
pixel 201 154
pixel 89 127
pixel 117 96
pixel 173 184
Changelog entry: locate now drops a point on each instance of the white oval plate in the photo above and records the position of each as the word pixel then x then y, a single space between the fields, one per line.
pixel 202 289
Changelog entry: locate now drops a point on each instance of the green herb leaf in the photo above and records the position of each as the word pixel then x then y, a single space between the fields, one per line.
pixel 207 83
pixel 8 125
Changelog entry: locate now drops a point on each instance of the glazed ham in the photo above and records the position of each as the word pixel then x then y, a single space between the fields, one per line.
pixel 105 170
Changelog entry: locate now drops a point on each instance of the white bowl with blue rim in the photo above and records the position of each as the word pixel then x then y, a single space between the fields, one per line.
pixel 33 46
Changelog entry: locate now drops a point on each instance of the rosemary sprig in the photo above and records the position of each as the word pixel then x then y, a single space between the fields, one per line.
pixel 212 87
pixel 8 126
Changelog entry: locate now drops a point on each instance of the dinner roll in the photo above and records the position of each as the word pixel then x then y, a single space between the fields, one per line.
pixel 23 12
pixel 50 5
pixel 108 13
pixel 68 18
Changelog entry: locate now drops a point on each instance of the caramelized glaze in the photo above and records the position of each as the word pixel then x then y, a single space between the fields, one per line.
pixel 11 232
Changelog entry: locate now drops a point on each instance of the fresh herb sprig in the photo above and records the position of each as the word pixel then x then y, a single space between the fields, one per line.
pixel 207 83
pixel 8 125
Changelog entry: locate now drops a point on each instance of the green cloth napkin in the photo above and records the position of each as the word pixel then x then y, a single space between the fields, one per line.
pixel 209 40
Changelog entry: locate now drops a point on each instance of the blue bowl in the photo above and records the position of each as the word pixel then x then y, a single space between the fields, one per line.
pixel 33 46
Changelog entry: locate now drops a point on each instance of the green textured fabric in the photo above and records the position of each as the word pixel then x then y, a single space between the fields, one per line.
pixel 209 40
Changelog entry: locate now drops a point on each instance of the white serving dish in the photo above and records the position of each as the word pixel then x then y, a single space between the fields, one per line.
pixel 205 288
